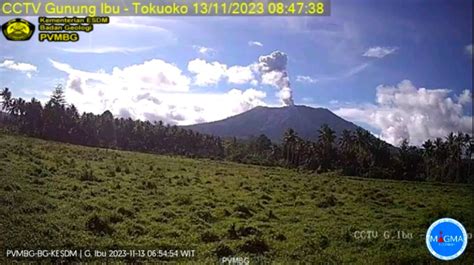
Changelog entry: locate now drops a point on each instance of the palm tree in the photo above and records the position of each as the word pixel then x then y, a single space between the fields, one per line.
pixel 289 139
pixel 428 152
pixel 326 135
pixel 364 156
pixel 327 150
pixel 347 152
pixel 7 97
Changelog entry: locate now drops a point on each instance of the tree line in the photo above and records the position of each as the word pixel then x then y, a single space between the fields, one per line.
pixel 354 153
pixel 359 153
pixel 59 121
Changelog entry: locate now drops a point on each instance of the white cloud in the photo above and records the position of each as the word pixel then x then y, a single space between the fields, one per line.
pixel 255 43
pixel 379 52
pixel 306 79
pixel 343 75
pixel 152 90
pixel 155 75
pixel 270 69
pixel 204 50
pixel 465 97
pixel 468 49
pixel 417 114
pixel 355 70
pixel 206 73
pixel 240 75
pixel 25 68
pixel 211 73
pixel 106 49
pixel 136 23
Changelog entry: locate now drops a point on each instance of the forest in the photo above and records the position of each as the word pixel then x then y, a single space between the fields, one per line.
pixel 354 153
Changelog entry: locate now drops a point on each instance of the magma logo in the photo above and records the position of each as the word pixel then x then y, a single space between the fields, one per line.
pixel 446 239
pixel 18 30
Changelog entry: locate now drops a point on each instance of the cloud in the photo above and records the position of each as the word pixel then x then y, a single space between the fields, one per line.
pixel 156 75
pixel 106 49
pixel 465 97
pixel 211 73
pixel 343 75
pixel 255 43
pixel 137 24
pixel 152 90
pixel 207 73
pixel 204 50
pixel 355 70
pixel 468 49
pixel 270 69
pixel 240 75
pixel 273 72
pixel 352 71
pixel 25 68
pixel 417 114
pixel 306 79
pixel 379 52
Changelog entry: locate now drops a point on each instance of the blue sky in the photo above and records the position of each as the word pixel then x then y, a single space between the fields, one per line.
pixel 401 69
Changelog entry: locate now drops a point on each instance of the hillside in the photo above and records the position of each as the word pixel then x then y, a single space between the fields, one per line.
pixel 64 196
pixel 273 122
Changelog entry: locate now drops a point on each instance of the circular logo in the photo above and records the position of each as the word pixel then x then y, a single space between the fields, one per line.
pixel 446 239
pixel 18 30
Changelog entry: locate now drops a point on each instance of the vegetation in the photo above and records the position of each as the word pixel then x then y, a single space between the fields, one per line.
pixel 56 195
pixel 61 122
pixel 353 153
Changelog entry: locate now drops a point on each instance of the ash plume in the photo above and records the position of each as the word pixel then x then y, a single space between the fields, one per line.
pixel 272 68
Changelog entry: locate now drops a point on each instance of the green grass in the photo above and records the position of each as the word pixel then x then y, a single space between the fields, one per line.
pixel 56 195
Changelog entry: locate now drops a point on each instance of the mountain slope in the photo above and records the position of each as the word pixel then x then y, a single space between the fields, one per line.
pixel 273 122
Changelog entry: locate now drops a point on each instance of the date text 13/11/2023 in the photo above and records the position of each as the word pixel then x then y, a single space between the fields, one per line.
pixel 233 8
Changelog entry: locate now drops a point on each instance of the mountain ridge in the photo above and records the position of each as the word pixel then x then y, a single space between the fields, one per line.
pixel 274 121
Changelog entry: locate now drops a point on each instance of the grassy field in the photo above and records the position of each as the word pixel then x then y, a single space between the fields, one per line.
pixel 56 195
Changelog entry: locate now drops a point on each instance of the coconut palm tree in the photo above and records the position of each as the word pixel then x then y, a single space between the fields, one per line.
pixel 289 141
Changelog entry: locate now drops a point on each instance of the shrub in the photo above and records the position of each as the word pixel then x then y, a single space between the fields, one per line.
pixel 125 212
pixel 206 216
pixel 87 175
pixel 99 226
pixel 255 246
pixel 266 197
pixel 136 230
pixel 248 231
pixel 280 237
pixel 232 232
pixel 115 218
pixel 183 199
pixel 223 251
pixel 208 237
pixel 323 242
pixel 329 201
pixel 243 211
pixel 271 215
pixel 148 185
pixel 127 170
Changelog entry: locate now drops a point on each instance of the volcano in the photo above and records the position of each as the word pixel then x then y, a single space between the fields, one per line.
pixel 274 121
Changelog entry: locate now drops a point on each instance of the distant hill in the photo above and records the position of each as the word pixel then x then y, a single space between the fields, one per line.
pixel 274 121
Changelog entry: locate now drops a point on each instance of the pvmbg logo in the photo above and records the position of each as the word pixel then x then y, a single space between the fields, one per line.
pixel 18 30
pixel 446 239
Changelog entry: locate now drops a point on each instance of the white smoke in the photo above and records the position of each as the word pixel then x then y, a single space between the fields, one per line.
pixel 272 68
